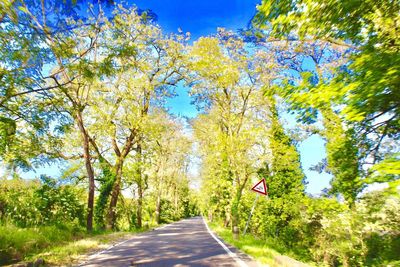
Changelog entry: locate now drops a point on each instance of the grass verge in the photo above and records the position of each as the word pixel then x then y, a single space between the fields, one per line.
pixel 55 245
pixel 76 251
pixel 260 250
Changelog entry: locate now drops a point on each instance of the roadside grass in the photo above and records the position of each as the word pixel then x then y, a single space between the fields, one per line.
pixel 16 242
pixel 260 250
pixel 75 251
pixel 56 245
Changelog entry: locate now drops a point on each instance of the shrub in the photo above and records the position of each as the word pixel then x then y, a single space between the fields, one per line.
pixel 26 203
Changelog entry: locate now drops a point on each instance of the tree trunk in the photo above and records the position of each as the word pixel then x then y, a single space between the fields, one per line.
pixel 106 185
pixel 140 185
pixel 140 205
pixel 111 214
pixel 327 259
pixel 176 202
pixel 227 219
pixel 158 201
pixel 89 170
pixel 345 261
pixel 235 212
pixel 158 207
pixel 235 216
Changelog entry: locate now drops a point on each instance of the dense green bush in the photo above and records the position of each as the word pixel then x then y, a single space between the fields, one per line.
pixel 365 235
pixel 327 231
pixel 16 201
pixel 167 211
pixel 27 203
pixel 35 214
pixel 190 207
pixel 185 206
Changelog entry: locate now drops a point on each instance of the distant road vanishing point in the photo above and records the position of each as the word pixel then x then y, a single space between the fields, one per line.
pixel 185 243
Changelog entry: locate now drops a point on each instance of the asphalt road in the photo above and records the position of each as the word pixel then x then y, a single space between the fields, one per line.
pixel 184 243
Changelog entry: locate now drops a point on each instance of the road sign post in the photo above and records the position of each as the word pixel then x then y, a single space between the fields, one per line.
pixel 251 213
pixel 260 188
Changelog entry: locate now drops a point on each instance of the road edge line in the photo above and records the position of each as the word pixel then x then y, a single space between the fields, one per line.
pixel 230 253
pixel 94 255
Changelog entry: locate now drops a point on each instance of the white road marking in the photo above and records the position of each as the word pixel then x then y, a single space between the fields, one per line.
pixel 239 261
pixel 230 253
pixel 169 234
pixel 91 257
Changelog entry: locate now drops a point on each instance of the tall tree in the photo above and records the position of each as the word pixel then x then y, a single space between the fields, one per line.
pixel 167 150
pixel 60 68
pixel 229 85
pixel 285 180
pixel 365 88
pixel 144 64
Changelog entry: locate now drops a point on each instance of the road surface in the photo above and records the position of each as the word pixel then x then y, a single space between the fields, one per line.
pixel 184 243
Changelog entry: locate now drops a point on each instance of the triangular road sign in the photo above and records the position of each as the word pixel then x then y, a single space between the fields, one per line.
pixel 260 187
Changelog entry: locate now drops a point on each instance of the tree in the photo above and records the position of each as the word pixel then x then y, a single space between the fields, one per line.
pixel 54 69
pixel 145 64
pixel 307 69
pixel 309 97
pixel 229 85
pixel 167 150
pixel 81 58
pixel 285 179
pixel 371 29
pixel 365 88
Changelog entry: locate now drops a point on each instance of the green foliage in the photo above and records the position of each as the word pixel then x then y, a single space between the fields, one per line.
pixel 388 170
pixel 18 202
pixel 16 243
pixel 328 232
pixel 284 176
pixel 106 183
pixel 228 80
pixel 350 236
pixel 30 203
pixel 342 157
pixel 167 211
pixel 365 86
pixel 279 216
pixel 190 205
pixel 265 250
pixel 110 76
pixel 7 131
pixel 59 204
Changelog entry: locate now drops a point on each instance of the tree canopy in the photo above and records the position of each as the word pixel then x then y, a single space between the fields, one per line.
pixel 87 90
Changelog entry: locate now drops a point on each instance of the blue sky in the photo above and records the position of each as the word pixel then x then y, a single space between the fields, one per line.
pixel 202 18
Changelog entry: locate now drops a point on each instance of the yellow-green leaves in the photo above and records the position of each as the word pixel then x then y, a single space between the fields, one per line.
pixel 210 60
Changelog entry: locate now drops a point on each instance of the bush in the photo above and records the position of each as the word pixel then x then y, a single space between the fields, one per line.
pixel 368 234
pixel 167 211
pixel 26 203
pixel 18 203
pixel 329 232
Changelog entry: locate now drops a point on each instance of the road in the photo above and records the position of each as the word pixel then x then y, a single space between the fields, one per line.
pixel 184 243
